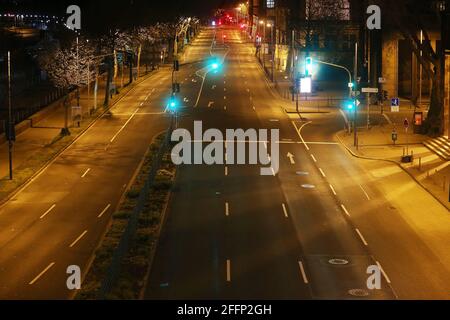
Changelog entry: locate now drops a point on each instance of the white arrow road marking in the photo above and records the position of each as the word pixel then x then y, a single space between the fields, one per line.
pixel 291 157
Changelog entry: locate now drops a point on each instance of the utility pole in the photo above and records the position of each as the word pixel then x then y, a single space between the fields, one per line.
pixel 355 125
pixel 10 124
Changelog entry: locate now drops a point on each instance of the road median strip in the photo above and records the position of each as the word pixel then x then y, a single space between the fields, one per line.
pixel 136 261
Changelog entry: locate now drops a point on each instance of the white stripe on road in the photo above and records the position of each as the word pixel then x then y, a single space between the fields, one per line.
pixel 361 236
pixel 314 158
pixel 332 189
pixel 41 274
pixel 104 210
pixel 384 273
pixel 78 239
pixel 345 210
pixel 302 270
pixel 300 134
pixel 123 127
pixel 228 271
pixel 86 172
pixel 323 173
pixel 227 209
pixel 226 171
pixel 48 211
pixel 285 211
pixel 366 194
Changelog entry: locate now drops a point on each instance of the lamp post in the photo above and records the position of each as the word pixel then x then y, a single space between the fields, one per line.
pixel 10 127
pixel 272 53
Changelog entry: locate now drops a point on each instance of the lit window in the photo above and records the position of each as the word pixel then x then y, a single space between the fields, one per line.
pixel 270 4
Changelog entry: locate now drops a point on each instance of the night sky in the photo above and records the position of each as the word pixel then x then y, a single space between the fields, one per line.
pixel 119 13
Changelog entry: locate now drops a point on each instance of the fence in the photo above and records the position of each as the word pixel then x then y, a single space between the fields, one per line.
pixel 120 252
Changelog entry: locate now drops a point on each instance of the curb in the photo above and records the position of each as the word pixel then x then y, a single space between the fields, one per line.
pixel 392 162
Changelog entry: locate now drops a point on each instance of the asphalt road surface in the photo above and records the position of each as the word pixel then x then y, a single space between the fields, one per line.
pixel 309 232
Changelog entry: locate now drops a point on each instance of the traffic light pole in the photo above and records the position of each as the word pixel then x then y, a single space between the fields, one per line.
pixel 10 124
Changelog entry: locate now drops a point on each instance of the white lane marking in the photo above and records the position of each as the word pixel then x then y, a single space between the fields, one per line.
pixel 332 189
pixel 314 158
pixel 41 274
pixel 123 127
pixel 225 89
pixel 141 104
pixel 210 104
pixel 227 209
pixel 224 107
pixel 362 237
pixel 226 171
pixel 86 172
pixel 367 195
pixel 48 211
pixel 104 210
pixel 344 116
pixel 323 173
pixel 384 273
pixel 224 98
pixel 302 271
pixel 285 211
pixel 228 271
pixel 300 134
pixel 345 210
pixel 78 239
pixel 213 87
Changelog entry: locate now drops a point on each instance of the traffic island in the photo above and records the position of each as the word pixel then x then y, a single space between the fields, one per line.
pixel 136 262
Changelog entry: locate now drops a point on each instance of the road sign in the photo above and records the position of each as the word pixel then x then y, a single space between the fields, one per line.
pixel 406 124
pixel 358 102
pixel 394 136
pixel 305 85
pixel 395 105
pixel 369 90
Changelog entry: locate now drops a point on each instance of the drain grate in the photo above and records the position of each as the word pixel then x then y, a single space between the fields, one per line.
pixel 338 262
pixel 358 293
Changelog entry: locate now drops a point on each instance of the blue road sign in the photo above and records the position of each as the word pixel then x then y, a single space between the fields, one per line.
pixel 395 102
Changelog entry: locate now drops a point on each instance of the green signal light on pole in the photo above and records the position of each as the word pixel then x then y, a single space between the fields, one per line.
pixel 350 105
pixel 309 66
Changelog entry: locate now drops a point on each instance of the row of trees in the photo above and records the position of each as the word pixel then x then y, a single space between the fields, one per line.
pixel 78 63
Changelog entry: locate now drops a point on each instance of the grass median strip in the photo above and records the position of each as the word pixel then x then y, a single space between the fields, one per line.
pixel 136 263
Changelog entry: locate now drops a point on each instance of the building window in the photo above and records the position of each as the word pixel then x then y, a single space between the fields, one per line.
pixel 270 4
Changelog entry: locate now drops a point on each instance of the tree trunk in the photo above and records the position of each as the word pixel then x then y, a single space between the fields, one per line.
pixel 109 79
pixel 139 61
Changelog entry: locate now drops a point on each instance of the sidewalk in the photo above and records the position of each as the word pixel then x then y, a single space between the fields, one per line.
pixel 427 169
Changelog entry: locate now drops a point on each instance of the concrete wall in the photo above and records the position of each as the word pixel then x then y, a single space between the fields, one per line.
pixel 390 63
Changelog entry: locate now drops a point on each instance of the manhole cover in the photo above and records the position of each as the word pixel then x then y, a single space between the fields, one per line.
pixel 308 186
pixel 338 262
pixel 358 293
pixel 302 173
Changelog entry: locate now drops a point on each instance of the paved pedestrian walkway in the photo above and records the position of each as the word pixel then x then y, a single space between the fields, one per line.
pixel 47 125
pixel 427 169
